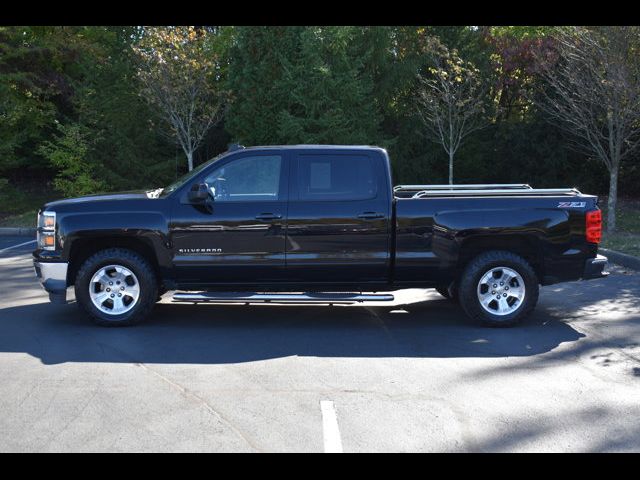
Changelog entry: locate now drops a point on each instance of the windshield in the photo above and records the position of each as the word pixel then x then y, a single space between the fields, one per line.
pixel 188 176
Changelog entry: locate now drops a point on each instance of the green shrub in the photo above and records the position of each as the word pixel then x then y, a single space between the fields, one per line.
pixel 68 152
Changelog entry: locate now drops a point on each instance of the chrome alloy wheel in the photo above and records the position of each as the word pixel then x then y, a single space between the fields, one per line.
pixel 114 289
pixel 501 291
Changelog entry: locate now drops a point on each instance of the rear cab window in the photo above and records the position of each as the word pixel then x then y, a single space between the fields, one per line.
pixel 336 177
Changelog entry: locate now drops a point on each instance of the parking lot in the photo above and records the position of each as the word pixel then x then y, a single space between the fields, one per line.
pixel 414 375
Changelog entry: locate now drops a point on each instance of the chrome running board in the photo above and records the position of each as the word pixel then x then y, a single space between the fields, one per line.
pixel 252 297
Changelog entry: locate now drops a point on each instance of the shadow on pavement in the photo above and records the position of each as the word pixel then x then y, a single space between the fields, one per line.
pixel 214 334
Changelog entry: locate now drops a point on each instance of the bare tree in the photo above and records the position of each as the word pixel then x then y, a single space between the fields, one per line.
pixel 595 96
pixel 451 99
pixel 179 70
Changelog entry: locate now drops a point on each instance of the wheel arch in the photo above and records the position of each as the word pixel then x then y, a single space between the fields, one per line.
pixel 82 248
pixel 526 246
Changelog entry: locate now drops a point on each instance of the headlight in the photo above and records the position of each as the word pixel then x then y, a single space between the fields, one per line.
pixel 47 230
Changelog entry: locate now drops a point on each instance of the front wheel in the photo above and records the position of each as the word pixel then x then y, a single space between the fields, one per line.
pixel 498 289
pixel 116 287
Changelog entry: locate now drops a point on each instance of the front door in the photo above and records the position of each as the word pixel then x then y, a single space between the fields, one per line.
pixel 240 236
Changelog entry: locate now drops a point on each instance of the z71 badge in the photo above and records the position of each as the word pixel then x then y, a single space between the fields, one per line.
pixel 572 204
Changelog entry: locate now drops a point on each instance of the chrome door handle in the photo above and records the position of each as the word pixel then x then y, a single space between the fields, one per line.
pixel 371 215
pixel 268 216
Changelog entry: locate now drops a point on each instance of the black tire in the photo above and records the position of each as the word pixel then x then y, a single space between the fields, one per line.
pixel 468 290
pixel 136 264
pixel 449 292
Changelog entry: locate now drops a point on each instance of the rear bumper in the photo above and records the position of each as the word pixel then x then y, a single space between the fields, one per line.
pixel 594 268
pixel 53 278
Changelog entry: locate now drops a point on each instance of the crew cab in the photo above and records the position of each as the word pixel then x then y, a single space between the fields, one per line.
pixel 315 223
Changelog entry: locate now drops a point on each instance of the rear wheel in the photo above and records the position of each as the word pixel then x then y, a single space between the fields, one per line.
pixel 498 289
pixel 116 287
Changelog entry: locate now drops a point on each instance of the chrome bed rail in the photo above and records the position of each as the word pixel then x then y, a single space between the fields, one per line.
pixel 478 190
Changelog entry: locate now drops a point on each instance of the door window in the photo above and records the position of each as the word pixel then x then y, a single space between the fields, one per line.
pixel 336 177
pixel 247 179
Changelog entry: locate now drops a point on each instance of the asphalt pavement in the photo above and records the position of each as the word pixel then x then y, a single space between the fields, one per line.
pixel 414 375
pixel 9 245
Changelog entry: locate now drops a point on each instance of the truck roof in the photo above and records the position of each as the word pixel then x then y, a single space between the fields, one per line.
pixel 311 147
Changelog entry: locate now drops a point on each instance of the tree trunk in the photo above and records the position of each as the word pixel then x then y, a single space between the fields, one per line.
pixel 613 199
pixel 450 168
pixel 190 160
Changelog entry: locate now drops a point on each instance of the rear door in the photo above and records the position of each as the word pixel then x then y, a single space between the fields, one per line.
pixel 339 217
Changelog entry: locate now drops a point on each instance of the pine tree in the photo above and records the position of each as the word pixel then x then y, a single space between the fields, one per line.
pixel 303 85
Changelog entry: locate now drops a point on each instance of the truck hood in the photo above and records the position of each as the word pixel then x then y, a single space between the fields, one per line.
pixel 129 195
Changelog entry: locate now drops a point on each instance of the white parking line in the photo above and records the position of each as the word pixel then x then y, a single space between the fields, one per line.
pixel 16 246
pixel 330 431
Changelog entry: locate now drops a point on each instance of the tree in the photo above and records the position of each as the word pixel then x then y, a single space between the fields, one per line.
pixel 255 78
pixel 180 74
pixel 123 125
pixel 34 87
pixel 594 80
pixel 303 85
pixel 85 77
pixel 515 62
pixel 451 99
pixel 68 152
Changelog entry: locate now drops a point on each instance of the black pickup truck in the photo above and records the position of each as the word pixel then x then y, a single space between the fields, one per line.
pixel 315 224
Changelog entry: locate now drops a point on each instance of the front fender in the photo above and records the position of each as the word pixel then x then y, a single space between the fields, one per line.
pixel 150 227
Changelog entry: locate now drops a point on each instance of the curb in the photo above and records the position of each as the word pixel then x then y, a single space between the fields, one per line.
pixel 15 232
pixel 623 259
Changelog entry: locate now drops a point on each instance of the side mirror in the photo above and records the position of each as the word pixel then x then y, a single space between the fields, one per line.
pixel 199 194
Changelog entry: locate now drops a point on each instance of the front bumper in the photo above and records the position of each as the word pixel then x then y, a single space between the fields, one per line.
pixel 53 278
pixel 594 268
